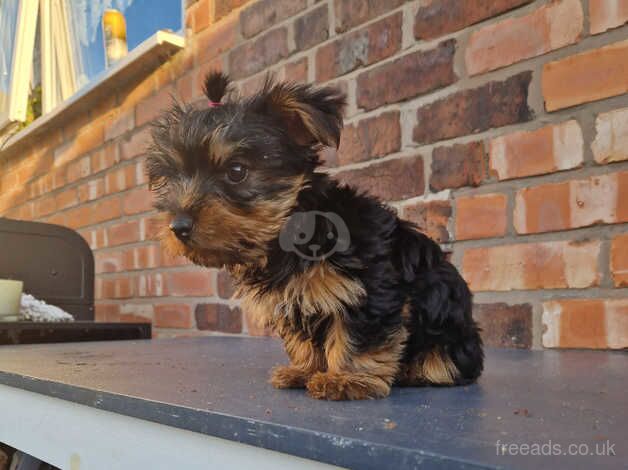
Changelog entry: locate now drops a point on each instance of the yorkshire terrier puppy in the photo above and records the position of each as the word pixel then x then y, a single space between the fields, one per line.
pixel 361 299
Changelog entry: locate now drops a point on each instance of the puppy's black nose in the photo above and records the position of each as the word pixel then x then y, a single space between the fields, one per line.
pixel 181 226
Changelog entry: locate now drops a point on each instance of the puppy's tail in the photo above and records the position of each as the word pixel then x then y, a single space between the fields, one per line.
pixel 467 354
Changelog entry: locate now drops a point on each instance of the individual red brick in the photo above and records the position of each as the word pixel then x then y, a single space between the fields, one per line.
pixel 103 210
pixel 223 7
pixel 535 213
pixel 134 145
pixel 611 139
pixel 104 312
pixel 187 89
pixel 505 326
pixel 120 179
pixel 78 217
pixel 189 283
pixel 93 189
pixel 151 107
pixel 254 56
pixel 88 139
pixel 263 14
pixel 607 14
pixel 123 233
pixel 495 104
pixel 136 201
pixel 65 199
pixel 586 323
pixel 129 97
pixel 119 124
pixel 351 13
pixel 552 26
pixel 44 206
pixel 622 197
pixel 568 205
pixel 482 216
pixel 391 180
pixel 141 257
pixel 431 217
pixel 311 28
pixel 108 262
pixel 226 289
pixel 545 150
pixel 96 238
pixel 296 71
pixel 151 285
pixel 105 157
pixel 76 123
pixel 118 288
pixel 200 15
pixel 619 260
pixel 370 138
pixel 59 218
pixel 22 212
pixel 365 46
pixel 547 265
pixel 218 317
pixel 213 41
pixel 589 76
pixel 457 166
pixel 434 66
pixel 58 178
pixel 78 169
pixel 173 316
pixel 91 214
pixel 437 18
pixel 252 85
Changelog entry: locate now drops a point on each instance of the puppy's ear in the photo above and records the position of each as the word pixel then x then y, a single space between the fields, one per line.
pixel 216 85
pixel 311 115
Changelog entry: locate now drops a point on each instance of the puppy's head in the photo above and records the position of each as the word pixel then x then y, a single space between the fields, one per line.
pixel 226 177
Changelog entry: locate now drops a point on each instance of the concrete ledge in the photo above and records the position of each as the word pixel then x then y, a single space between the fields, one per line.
pixel 218 386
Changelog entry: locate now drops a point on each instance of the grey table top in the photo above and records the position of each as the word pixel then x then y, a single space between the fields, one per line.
pixel 218 386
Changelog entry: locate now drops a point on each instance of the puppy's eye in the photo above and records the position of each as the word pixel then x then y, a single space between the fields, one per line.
pixel 236 173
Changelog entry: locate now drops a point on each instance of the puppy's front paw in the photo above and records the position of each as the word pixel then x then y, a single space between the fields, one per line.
pixel 332 386
pixel 288 377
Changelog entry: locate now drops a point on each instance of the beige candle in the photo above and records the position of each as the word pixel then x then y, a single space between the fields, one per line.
pixel 10 296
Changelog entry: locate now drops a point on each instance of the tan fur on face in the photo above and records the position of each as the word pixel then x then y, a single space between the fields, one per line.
pixel 220 228
pixel 220 149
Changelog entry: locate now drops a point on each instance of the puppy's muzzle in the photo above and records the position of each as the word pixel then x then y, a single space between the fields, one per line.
pixel 181 226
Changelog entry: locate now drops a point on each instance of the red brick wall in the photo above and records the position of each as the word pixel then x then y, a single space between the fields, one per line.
pixel 500 127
